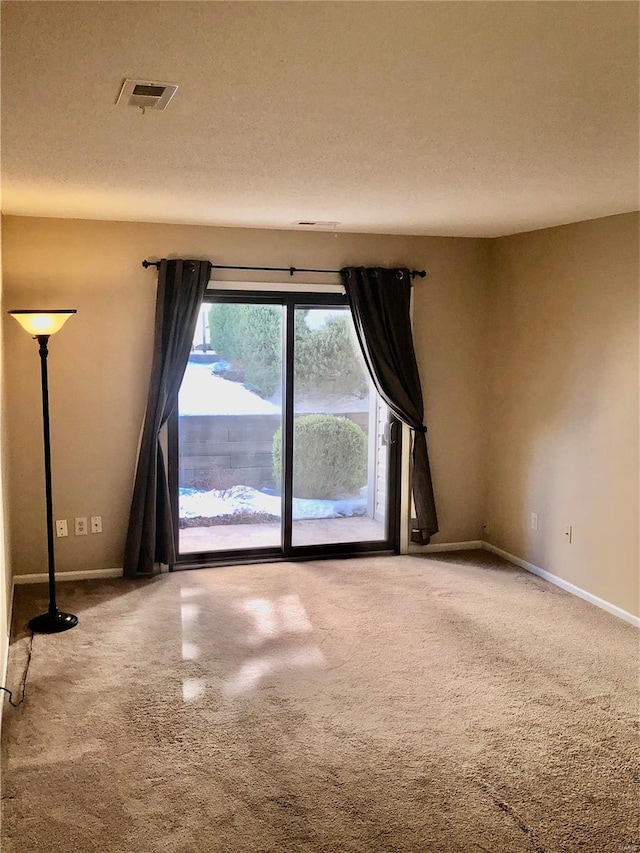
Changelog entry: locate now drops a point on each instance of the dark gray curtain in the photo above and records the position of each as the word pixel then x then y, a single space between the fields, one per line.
pixel 380 302
pixel 150 539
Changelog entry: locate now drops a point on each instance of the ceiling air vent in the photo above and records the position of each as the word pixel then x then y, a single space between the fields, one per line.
pixel 146 94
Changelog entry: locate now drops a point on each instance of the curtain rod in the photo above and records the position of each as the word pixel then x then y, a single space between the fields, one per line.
pixel 291 270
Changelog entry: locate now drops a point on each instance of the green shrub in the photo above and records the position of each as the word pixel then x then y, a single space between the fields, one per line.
pixel 251 337
pixel 330 457
pixel 327 359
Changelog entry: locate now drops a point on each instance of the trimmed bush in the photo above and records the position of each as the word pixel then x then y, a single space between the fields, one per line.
pixel 251 337
pixel 327 359
pixel 330 457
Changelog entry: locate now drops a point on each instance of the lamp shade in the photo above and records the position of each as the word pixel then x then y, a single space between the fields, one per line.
pixel 43 322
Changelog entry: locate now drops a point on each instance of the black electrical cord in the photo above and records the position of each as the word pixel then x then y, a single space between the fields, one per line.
pixel 23 683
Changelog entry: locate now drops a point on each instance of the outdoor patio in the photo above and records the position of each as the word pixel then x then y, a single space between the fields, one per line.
pixel 322 531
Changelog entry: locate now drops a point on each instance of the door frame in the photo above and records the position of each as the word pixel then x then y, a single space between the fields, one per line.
pixel 286 551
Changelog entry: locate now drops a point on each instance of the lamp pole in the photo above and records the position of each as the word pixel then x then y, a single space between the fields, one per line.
pixel 53 621
pixel 43 340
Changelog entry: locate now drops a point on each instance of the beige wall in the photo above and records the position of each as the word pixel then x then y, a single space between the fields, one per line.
pixel 563 406
pixel 99 363
pixel 6 579
pixel 527 346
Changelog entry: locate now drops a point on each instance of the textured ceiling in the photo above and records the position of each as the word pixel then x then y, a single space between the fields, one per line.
pixel 444 118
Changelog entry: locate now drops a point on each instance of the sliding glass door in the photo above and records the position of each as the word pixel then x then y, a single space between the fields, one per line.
pixel 337 446
pixel 229 416
pixel 280 446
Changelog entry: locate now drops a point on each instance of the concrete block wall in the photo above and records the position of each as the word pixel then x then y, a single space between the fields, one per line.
pixel 220 451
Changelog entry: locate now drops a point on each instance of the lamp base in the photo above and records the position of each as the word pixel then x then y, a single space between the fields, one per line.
pixel 53 623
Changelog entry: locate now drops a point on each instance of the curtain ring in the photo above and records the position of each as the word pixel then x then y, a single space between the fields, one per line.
pixel 400 275
pixel 348 273
pixel 374 273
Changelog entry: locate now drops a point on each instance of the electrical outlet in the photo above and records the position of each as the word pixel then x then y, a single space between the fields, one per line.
pixel 80 526
pixel 568 534
pixel 96 524
pixel 61 528
pixel 533 520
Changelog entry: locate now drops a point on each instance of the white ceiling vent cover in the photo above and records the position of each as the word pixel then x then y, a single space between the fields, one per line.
pixel 146 94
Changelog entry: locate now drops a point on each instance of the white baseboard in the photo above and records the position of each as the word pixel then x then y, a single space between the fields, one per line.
pixel 529 567
pixel 87 574
pixel 4 656
pixel 4 666
pixel 472 545
pixel 563 584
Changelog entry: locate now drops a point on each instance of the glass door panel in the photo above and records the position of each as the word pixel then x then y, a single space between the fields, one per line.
pixel 340 427
pixel 230 429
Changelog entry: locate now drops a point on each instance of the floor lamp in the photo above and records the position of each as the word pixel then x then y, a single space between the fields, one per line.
pixel 43 324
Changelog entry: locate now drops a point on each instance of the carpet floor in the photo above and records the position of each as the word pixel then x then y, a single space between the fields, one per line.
pixel 388 704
